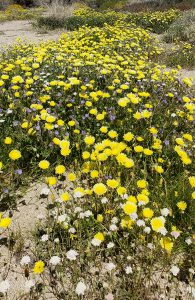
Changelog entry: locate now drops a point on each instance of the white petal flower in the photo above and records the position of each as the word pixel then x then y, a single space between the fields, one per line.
pixel 140 223
pixel 80 288
pixel 28 285
pixel 44 238
pixel 110 245
pixel 95 242
pixel 113 227
pixel 72 254
pixel 128 270
pixel 25 260
pixel 4 286
pixel 165 212
pixel 147 229
pixel 174 270
pixel 55 260
pixel 110 266
pixel 45 192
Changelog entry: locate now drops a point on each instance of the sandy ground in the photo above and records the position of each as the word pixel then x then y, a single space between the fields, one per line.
pixel 31 209
pixel 12 30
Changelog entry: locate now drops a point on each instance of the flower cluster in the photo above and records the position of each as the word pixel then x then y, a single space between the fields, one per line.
pixel 112 133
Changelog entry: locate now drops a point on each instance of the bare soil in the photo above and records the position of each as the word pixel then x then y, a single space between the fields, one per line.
pixel 12 30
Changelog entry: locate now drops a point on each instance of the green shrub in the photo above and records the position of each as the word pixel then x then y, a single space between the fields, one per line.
pixel 182 29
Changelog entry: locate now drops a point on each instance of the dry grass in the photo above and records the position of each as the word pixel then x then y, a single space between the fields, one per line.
pixel 58 10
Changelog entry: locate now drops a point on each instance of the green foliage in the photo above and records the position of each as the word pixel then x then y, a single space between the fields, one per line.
pixel 182 29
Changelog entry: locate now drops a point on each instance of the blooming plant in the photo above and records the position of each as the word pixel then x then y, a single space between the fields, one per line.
pixel 111 134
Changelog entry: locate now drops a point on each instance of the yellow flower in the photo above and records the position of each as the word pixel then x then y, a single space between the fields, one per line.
pixel 71 123
pixel 128 136
pixel 121 190
pixel 157 223
pixel 51 180
pixel 44 164
pixel 112 183
pixel 138 149
pixel 182 205
pixel 7 140
pixel 85 155
pixel 5 222
pixel 99 236
pixel 193 195
pixel 148 151
pixel 142 184
pixel 89 140
pixel 71 177
pixel 104 129
pixel 192 181
pixel 15 154
pixel 99 189
pixel 100 218
pixel 147 213
pixel 1 165
pixel 65 196
pixel 159 169
pixel 39 267
pixel 94 174
pixel 142 198
pixel 60 169
pixel 130 208
pixel 112 134
pixel 166 244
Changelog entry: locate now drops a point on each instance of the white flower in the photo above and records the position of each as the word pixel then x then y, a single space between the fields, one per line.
pixel 174 270
pixel 56 240
pixel 80 288
pixel 72 230
pixel 191 290
pixel 188 241
pixel 9 111
pixel 109 297
pixel 88 213
pixel 55 260
pixel 29 284
pixel 95 242
pixel 110 245
pixel 63 218
pixel 25 260
pixel 191 271
pixel 44 238
pixel 104 200
pixel 77 209
pixel 165 212
pixel 4 286
pixel 81 215
pixel 150 246
pixel 72 254
pixel 110 266
pixel 78 194
pixel 45 191
pixel 133 216
pixel 113 227
pixel 175 234
pixel 163 231
pixel 114 220
pixel 140 223
pixel 128 270
pixel 147 229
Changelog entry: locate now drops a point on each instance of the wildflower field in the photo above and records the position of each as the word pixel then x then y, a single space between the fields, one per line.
pixel 111 134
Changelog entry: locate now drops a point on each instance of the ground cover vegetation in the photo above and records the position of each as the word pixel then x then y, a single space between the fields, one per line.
pixel 111 133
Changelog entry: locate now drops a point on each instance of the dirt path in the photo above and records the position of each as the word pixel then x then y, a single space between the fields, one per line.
pixel 12 30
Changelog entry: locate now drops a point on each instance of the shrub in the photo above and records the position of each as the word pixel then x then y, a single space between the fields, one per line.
pixel 182 29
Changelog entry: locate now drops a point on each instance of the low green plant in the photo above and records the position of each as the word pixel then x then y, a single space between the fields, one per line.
pixel 182 29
